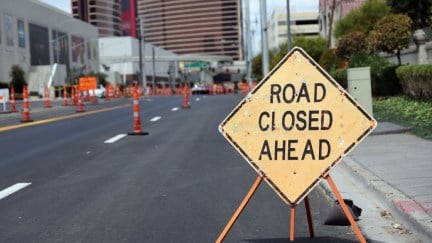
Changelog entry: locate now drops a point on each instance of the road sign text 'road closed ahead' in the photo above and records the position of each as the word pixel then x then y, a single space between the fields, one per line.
pixel 302 120
pixel 296 125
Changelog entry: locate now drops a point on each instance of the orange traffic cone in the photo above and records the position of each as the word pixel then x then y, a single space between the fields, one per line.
pixel 136 116
pixel 185 96
pixel 47 98
pixel 26 106
pixel 73 95
pixel 65 102
pixel 80 102
pixel 12 100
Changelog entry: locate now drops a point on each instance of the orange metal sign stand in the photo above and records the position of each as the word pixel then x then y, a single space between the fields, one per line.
pixel 252 191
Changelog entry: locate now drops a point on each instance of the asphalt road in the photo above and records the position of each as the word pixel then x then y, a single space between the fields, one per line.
pixel 180 183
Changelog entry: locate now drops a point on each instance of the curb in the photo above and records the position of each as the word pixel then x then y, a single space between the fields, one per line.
pixel 418 221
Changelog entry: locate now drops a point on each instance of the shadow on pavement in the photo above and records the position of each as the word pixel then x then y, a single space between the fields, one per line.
pixel 302 239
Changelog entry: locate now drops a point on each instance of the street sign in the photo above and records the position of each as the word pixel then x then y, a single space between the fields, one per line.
pixel 196 65
pixel 296 125
pixel 87 83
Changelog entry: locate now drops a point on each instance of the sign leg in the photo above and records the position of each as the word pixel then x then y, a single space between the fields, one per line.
pixel 309 217
pixel 292 223
pixel 345 209
pixel 240 209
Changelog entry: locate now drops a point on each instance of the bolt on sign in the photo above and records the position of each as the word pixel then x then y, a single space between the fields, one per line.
pixel 296 125
pixel 87 83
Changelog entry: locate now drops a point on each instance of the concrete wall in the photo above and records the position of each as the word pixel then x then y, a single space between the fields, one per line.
pixel 15 45
pixel 123 48
pixel 410 55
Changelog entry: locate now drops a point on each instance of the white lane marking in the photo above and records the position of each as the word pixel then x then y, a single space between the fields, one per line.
pixel 197 99
pixel 175 109
pixel 12 189
pixel 115 138
pixel 156 118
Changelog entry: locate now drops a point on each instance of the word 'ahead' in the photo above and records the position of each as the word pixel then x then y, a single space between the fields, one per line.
pixel 296 125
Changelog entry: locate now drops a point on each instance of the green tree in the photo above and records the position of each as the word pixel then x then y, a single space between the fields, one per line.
pixel 350 44
pixel 362 19
pixel 257 66
pixel 17 75
pixel 391 34
pixel 314 46
pixel 419 11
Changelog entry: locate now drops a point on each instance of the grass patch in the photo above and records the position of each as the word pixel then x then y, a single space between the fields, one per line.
pixel 405 111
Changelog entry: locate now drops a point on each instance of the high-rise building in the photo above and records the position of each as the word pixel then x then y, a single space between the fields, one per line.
pixel 104 14
pixel 193 26
pixel 128 18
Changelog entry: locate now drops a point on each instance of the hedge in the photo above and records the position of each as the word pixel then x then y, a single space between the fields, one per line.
pixel 416 80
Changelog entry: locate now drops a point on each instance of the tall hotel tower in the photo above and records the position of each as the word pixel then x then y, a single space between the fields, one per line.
pixel 104 14
pixel 210 27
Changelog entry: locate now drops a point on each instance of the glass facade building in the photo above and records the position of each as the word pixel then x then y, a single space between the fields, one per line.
pixel 104 14
pixel 193 26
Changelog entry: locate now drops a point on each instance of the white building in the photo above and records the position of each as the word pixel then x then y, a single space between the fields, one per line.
pixel 35 36
pixel 302 23
pixel 121 55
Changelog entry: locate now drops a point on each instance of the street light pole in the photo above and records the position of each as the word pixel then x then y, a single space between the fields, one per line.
pixel 142 64
pixel 248 43
pixel 288 21
pixel 265 53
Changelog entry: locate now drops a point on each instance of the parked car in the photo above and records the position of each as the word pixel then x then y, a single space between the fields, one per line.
pixel 99 92
pixel 200 89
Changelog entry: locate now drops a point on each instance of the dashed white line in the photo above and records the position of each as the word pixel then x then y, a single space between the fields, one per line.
pixel 156 118
pixel 12 189
pixel 115 138
pixel 175 109
pixel 197 99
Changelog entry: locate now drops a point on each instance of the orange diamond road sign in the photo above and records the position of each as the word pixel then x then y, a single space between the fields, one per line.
pixel 87 83
pixel 296 125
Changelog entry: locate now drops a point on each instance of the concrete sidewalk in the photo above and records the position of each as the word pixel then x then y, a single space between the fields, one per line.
pixel 395 167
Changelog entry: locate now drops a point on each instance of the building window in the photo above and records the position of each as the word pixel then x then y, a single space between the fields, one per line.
pixel 21 33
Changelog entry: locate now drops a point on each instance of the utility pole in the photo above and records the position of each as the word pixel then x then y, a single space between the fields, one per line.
pixel 142 61
pixel 265 53
pixel 288 21
pixel 154 70
pixel 248 42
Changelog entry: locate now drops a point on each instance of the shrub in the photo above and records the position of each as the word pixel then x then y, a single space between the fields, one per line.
pixel 416 80
pixel 18 78
pixel 329 60
pixel 340 75
pixel 388 83
pixel 350 44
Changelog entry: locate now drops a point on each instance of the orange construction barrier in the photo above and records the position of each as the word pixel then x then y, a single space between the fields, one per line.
pixel 26 106
pixel 185 96
pixel 47 97
pixel 65 102
pixel 136 116
pixel 80 102
pixel 12 100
